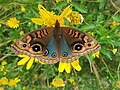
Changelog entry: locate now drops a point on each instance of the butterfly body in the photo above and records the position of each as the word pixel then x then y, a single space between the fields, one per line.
pixel 53 44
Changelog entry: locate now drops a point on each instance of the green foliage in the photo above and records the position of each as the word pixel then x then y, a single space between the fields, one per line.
pixel 101 17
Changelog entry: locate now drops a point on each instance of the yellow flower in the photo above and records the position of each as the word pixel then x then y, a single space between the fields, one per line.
pixel 114 23
pixel 3 81
pixel 49 18
pixel 22 8
pixel 28 60
pixel 58 1
pixel 96 54
pixel 71 80
pixel 5 8
pixel 50 86
pixel 2 68
pixel 15 4
pixel 13 82
pixel 5 72
pixel 91 33
pixel 4 63
pixel 35 76
pixel 1 88
pixel 75 18
pixel 58 82
pixel 21 33
pixel 14 40
pixel 114 51
pixel 67 66
pixel 13 22
pixel 118 84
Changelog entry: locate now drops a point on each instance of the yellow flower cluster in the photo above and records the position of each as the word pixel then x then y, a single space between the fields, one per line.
pixel 96 54
pixel 49 18
pixel 12 82
pixel 71 80
pixel 114 23
pixel 75 18
pixel 3 66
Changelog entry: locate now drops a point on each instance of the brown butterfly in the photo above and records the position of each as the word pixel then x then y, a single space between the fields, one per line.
pixel 53 44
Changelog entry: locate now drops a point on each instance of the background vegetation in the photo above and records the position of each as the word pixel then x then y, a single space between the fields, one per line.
pixel 101 17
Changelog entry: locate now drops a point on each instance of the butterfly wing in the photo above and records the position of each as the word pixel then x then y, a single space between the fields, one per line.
pixel 79 43
pixel 34 43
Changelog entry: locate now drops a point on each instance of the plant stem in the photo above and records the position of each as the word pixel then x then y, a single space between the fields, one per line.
pixel 95 70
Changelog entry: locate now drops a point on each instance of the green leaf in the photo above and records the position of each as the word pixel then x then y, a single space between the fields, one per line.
pixel 102 4
pixel 100 17
pixel 106 52
pixel 117 18
pixel 88 27
pixel 60 5
pixel 80 7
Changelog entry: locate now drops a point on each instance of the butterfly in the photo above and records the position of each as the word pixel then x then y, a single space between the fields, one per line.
pixel 53 44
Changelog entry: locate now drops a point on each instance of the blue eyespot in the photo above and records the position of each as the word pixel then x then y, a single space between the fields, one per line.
pixel 46 52
pixel 54 55
pixel 64 54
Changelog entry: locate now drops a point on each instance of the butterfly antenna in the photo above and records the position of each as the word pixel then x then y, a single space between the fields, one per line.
pixel 57 24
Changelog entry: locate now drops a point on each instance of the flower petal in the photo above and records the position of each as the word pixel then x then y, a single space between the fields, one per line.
pixel 47 17
pixel 66 12
pixel 37 21
pixel 12 82
pixel 22 55
pixel 29 64
pixel 22 8
pixel 61 67
pixel 40 7
pixel 23 61
pixel 76 65
pixel 17 80
pixel 36 60
pixel 67 67
pixel 114 51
